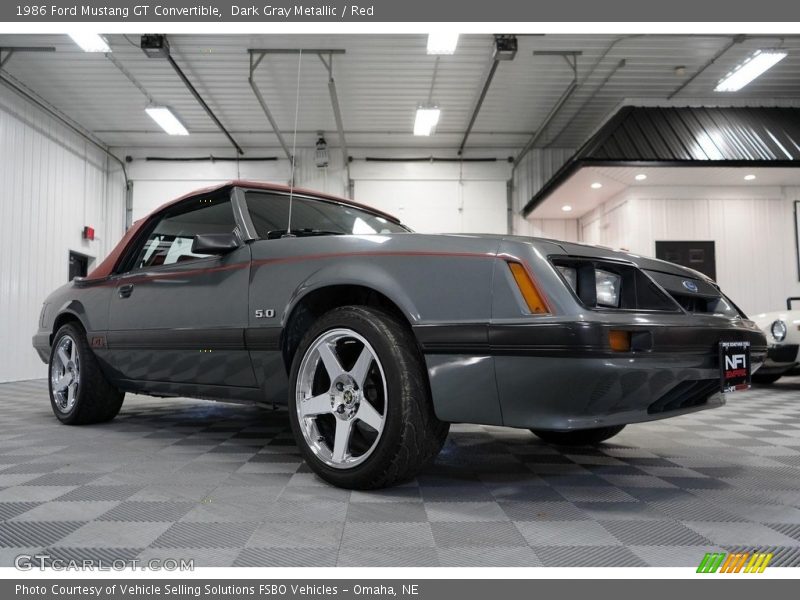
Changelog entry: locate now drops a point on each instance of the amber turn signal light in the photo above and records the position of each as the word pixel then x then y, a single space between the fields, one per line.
pixel 527 287
pixel 620 341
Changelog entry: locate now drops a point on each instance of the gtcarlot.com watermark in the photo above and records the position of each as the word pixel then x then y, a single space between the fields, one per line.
pixel 43 562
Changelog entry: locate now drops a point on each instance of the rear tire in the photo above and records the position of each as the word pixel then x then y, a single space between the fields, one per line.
pixel 79 392
pixel 765 379
pixel 359 400
pixel 579 437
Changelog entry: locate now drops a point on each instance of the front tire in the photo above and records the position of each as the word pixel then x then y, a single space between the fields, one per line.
pixel 765 379
pixel 579 437
pixel 79 392
pixel 359 401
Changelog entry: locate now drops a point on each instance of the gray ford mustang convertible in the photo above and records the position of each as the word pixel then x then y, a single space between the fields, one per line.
pixel 378 338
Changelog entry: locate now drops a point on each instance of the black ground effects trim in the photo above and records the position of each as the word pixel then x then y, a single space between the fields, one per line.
pixel 261 338
pixel 176 339
pixel 575 339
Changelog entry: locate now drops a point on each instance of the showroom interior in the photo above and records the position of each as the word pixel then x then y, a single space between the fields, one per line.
pixel 624 141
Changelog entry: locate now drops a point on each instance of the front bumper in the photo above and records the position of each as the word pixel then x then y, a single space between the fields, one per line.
pixel 41 343
pixel 587 393
pixel 564 376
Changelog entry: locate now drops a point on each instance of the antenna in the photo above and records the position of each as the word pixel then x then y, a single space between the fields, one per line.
pixel 294 147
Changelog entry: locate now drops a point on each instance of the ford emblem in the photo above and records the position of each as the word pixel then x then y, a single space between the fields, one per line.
pixel 690 285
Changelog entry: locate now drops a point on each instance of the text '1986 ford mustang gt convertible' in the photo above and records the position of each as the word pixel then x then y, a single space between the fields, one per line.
pixel 378 338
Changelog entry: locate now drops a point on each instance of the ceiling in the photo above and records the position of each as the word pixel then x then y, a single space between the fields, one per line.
pixel 578 191
pixel 381 79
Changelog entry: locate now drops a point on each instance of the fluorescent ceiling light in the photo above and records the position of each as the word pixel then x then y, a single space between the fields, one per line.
pixel 566 208
pixel 166 120
pixel 755 65
pixel 426 120
pixel 596 185
pixel 640 177
pixel 442 43
pixel 90 42
pixel 749 177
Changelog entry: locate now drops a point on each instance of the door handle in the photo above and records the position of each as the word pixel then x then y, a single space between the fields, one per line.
pixel 126 290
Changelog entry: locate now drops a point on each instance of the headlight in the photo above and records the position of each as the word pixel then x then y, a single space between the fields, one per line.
pixel 778 330
pixel 607 286
pixel 571 275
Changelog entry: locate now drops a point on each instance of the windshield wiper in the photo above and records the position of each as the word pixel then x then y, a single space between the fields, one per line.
pixel 279 233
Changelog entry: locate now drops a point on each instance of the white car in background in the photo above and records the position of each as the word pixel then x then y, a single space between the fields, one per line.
pixel 782 329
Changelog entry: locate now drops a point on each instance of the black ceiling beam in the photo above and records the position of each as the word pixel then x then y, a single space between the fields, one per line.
pixel 479 104
pixel 11 50
pixel 202 103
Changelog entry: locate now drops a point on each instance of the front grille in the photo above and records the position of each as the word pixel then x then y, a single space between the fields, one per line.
pixel 687 394
pixel 695 295
pixel 692 304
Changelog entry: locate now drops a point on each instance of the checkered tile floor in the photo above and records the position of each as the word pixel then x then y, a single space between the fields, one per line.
pixel 224 485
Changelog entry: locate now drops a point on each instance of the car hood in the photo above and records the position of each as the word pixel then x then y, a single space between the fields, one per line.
pixel 602 252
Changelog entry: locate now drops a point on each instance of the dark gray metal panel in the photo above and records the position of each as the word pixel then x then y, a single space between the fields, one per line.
pixel 687 136
pixel 697 134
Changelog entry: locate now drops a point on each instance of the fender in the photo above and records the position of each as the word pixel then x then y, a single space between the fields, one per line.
pixel 76 309
pixel 354 272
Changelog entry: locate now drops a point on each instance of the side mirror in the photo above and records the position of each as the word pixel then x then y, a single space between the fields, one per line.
pixel 215 243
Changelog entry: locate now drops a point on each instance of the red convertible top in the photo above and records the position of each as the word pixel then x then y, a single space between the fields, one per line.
pixel 105 268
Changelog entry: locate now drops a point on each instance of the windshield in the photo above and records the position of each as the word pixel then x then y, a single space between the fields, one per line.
pixel 270 215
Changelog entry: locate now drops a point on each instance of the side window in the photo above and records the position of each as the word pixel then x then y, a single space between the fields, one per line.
pixel 170 242
pixel 270 215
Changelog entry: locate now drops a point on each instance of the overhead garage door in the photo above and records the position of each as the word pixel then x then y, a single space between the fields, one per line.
pixel 445 206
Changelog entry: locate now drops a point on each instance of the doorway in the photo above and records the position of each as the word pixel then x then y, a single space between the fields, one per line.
pixel 695 255
pixel 78 265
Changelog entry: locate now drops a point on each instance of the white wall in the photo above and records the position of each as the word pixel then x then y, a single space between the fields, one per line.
pixel 54 183
pixel 556 229
pixel 752 230
pixel 428 196
pixel 156 182
pixel 438 197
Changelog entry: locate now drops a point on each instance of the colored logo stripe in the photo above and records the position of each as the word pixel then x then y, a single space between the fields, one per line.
pixel 714 562
pixel 734 563
pixel 711 562
pixel 758 563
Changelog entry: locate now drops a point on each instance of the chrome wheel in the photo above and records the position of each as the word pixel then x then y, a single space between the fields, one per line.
pixel 65 374
pixel 341 398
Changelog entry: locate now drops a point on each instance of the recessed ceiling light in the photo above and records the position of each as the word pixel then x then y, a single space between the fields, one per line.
pixel 596 185
pixel 426 120
pixel 749 177
pixel 90 42
pixel 754 66
pixel 167 120
pixel 640 177
pixel 566 208
pixel 442 43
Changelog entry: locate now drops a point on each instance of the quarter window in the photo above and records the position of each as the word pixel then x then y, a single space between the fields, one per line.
pixel 170 242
